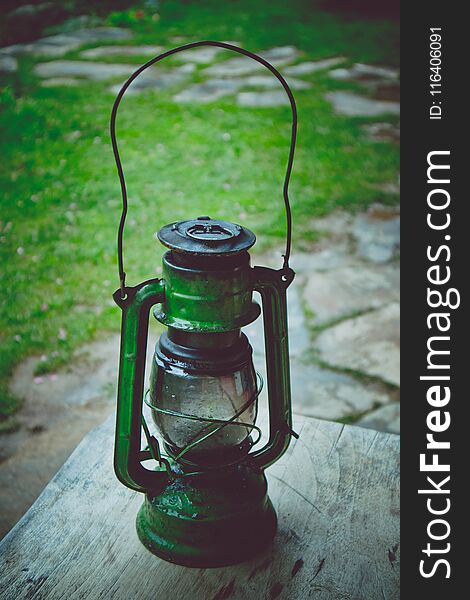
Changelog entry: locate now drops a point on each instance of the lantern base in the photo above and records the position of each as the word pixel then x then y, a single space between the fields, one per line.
pixel 210 520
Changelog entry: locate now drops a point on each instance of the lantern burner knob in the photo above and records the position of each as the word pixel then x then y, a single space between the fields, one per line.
pixel 210 232
pixel 206 236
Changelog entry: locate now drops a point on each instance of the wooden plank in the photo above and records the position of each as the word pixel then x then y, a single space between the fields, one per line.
pixel 337 496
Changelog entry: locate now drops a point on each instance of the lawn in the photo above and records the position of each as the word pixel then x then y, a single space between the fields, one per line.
pixel 60 198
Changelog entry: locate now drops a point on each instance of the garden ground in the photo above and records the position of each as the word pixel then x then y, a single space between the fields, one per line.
pixel 222 152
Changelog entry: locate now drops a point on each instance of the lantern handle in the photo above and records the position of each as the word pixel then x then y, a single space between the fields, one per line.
pixel 117 158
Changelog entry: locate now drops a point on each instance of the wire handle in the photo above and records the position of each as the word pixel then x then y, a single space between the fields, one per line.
pixel 117 158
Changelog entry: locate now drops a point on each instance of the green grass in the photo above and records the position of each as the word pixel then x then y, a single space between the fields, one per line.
pixel 60 196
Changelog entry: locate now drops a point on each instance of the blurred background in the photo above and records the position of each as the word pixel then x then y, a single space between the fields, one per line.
pixel 205 132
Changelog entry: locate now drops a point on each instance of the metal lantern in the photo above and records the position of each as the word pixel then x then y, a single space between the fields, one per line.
pixel 206 501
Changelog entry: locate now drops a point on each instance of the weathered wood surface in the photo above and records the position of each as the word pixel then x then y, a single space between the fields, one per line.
pixel 336 493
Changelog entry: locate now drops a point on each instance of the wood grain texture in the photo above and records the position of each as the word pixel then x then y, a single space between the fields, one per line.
pixel 336 492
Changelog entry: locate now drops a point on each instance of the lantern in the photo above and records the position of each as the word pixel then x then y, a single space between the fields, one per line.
pixel 206 498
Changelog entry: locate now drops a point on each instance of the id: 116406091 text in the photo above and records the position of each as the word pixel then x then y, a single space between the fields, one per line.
pixel 435 76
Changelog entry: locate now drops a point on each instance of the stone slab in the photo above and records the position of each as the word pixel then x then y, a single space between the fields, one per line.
pixel 61 82
pixel 263 99
pixel 326 394
pixel 363 72
pixel 268 81
pixel 60 44
pixel 207 91
pixel 346 290
pixel 213 89
pixel 377 233
pixel 88 70
pixel 299 338
pixel 153 79
pixel 355 105
pixel 369 344
pixel 307 67
pixel 121 51
pixel 241 65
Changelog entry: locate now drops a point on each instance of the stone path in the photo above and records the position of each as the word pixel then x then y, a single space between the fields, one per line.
pixel 344 322
pixel 223 74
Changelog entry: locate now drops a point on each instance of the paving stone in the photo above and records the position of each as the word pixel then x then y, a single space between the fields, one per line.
pixel 325 259
pixel 152 79
pixel 186 68
pixel 299 338
pixel 349 289
pixel 354 105
pixel 280 53
pixel 200 56
pixel 377 233
pixel 382 132
pixel 362 72
pixel 121 51
pixel 306 263
pixel 213 89
pixel 326 394
pixel 369 344
pixel 204 54
pixel 97 71
pixel 208 91
pixel 241 65
pixel 268 81
pixel 336 223
pixel 60 44
pixel 263 99
pixel 8 64
pixel 305 68
pixel 386 418
pixel 85 69
pixel 61 82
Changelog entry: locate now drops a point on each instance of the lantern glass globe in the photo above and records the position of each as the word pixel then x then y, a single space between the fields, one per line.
pixel 210 400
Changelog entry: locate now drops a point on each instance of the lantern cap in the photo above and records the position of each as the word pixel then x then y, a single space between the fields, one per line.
pixel 205 236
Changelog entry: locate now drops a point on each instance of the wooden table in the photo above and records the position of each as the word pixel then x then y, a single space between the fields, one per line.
pixel 336 492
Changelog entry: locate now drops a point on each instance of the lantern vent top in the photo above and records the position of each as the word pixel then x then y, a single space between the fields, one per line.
pixel 206 236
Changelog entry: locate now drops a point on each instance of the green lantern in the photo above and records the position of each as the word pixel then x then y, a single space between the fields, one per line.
pixel 206 502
